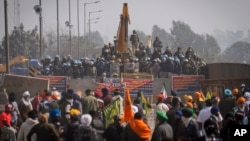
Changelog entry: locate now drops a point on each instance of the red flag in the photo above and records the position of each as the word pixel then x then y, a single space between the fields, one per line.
pixel 128 111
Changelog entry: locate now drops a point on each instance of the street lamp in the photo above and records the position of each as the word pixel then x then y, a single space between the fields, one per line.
pixel 90 14
pixel 88 35
pixel 85 13
pixel 93 21
pixel 38 10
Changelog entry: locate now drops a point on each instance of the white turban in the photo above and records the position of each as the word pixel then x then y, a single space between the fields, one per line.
pixel 26 93
pixel 86 119
pixel 247 94
pixel 135 109
pixel 92 93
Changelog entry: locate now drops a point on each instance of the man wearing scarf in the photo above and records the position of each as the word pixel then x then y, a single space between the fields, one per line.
pixel 25 105
pixel 27 125
pixel 43 130
pixel 211 125
pixel 227 102
pixel 114 131
pixel 137 129
pixel 189 128
pixel 70 129
pixel 240 105
pixel 163 131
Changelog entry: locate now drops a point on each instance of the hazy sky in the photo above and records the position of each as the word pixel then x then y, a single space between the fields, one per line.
pixel 203 16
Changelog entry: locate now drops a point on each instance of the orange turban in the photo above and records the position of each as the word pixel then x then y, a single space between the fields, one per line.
pixel 160 97
pixel 241 100
pixel 235 91
pixel 197 94
pixel 56 95
pixel 189 105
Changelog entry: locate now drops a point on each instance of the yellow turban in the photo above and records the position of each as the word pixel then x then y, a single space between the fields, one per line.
pixel 188 98
pixel 74 112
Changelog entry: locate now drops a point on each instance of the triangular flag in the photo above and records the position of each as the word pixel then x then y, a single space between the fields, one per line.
pixel 145 104
pixel 202 98
pixel 163 90
pixel 128 111
pixel 209 94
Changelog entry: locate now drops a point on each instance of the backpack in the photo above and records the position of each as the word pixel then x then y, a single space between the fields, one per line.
pixel 86 133
pixel 44 106
pixel 211 126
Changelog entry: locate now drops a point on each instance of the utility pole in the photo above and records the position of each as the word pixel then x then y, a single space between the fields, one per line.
pixel 41 30
pixel 78 36
pixel 89 23
pixel 85 18
pixel 16 13
pixel 58 40
pixel 70 30
pixel 6 36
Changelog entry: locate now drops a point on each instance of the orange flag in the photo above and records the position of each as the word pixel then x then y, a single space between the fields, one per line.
pixel 128 112
pixel 140 128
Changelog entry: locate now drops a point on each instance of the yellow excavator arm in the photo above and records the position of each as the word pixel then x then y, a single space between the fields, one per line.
pixel 18 59
pixel 122 33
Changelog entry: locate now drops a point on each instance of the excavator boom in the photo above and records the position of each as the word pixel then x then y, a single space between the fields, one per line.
pixel 122 34
pixel 18 59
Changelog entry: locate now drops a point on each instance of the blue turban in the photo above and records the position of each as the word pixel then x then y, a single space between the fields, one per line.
pixel 54 113
pixel 227 92
pixel 173 93
pixel 179 113
pixel 215 109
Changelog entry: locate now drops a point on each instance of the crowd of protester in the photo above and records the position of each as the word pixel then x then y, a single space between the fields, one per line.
pixel 141 58
pixel 73 116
